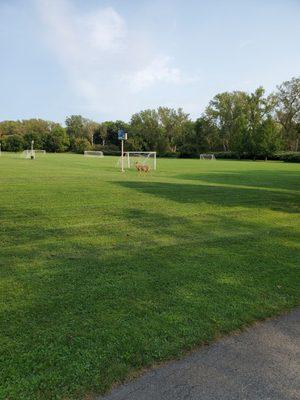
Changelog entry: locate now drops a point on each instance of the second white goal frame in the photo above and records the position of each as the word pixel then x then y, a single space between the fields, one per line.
pixel 29 154
pixel 207 157
pixel 146 155
pixel 93 153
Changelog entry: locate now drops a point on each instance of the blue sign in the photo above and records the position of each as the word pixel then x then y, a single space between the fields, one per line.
pixel 122 135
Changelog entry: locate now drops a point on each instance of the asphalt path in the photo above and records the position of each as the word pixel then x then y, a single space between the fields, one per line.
pixel 261 363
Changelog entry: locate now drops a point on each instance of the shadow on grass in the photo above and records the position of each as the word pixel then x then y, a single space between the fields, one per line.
pixel 216 193
pixel 259 179
pixel 78 317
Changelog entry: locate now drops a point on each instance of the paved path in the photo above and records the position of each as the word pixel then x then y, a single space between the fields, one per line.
pixel 262 363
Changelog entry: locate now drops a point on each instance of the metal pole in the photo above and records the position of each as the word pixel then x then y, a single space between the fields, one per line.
pixel 122 156
pixel 32 142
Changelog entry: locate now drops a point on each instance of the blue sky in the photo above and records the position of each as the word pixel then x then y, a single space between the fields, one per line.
pixel 108 59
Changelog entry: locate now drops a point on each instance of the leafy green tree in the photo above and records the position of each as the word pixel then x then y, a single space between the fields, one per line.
pixel 38 140
pixel 103 133
pixel 11 128
pixel 57 141
pixel 146 126
pixel 223 111
pixel 81 144
pixel 76 126
pixel 288 112
pixel 206 135
pixel 12 143
pixel 36 127
pixel 187 144
pixel 268 138
pixel 112 128
pixel 260 109
pixel 173 124
pixel 91 128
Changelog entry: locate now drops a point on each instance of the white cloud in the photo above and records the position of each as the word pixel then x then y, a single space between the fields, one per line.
pixel 104 61
pixel 83 43
pixel 159 70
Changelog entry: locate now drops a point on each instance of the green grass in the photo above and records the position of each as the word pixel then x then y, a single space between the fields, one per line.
pixel 104 273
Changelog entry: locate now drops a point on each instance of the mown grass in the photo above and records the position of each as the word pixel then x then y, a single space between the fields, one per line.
pixel 104 273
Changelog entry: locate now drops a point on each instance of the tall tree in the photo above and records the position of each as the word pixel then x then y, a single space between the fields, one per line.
pixel 11 128
pixel 206 135
pixel 146 126
pixel 56 141
pixel 288 112
pixel 268 139
pixel 224 110
pixel 173 123
pixel 103 132
pixel 77 127
pixel 259 109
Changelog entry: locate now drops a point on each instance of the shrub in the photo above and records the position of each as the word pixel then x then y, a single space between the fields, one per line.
pixel 168 154
pixel 229 155
pixel 188 151
pixel 109 149
pixel 288 156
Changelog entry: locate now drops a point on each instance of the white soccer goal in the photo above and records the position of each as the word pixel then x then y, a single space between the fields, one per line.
pixel 142 157
pixel 207 157
pixel 93 154
pixel 28 154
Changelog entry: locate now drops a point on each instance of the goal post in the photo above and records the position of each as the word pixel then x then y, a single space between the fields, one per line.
pixel 142 157
pixel 32 153
pixel 98 154
pixel 29 154
pixel 207 157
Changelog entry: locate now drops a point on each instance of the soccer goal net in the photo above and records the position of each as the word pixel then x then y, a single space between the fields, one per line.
pixel 207 157
pixel 141 157
pixel 28 154
pixel 93 154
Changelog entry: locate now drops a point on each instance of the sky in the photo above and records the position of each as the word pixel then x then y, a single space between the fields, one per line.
pixel 107 59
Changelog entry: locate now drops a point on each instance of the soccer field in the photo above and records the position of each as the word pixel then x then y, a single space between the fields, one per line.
pixel 103 273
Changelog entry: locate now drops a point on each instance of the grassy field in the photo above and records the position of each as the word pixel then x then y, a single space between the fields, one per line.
pixel 104 273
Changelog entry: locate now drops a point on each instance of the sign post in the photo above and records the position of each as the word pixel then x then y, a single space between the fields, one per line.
pixel 32 155
pixel 122 136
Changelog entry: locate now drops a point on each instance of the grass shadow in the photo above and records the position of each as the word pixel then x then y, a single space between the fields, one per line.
pixel 220 195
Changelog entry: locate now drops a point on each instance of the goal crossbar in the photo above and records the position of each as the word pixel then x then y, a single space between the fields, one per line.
pixel 93 154
pixel 28 154
pixel 144 157
pixel 207 157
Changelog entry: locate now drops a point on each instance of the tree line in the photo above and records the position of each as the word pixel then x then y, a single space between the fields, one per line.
pixel 240 123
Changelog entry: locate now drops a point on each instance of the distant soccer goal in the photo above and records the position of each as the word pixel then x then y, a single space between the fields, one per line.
pixel 93 154
pixel 28 154
pixel 40 151
pixel 142 157
pixel 207 157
